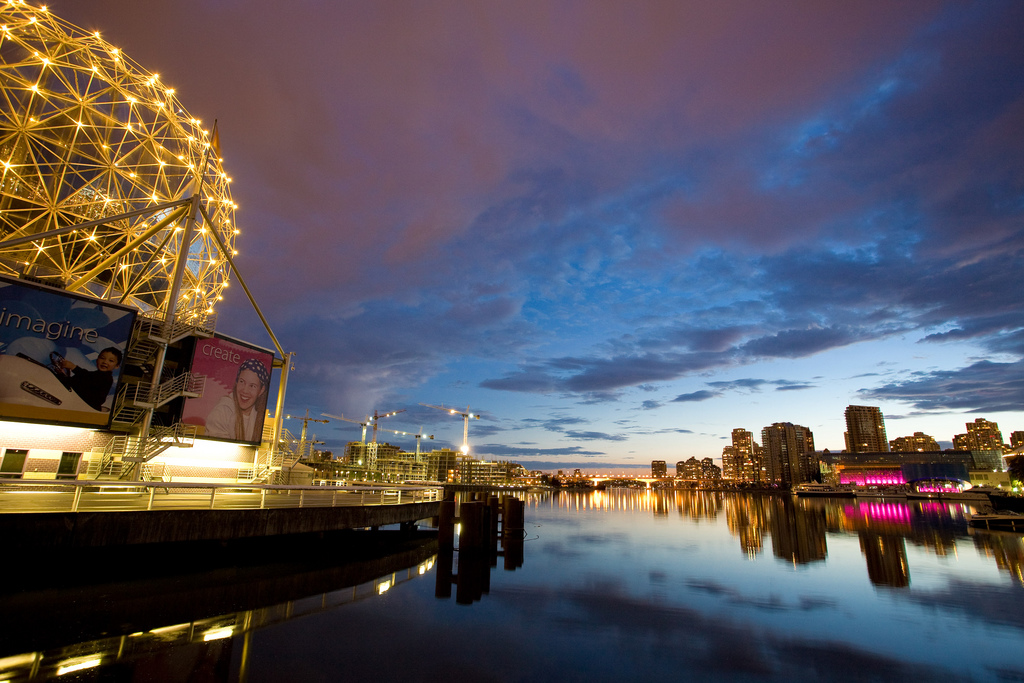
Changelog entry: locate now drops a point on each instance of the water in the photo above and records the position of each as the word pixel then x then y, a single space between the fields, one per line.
pixel 613 586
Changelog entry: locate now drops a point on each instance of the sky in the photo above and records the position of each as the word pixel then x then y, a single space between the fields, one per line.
pixel 617 230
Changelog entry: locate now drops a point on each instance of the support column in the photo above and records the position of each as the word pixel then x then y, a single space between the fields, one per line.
pixel 170 312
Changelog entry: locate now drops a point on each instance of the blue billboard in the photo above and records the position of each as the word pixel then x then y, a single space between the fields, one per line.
pixel 60 354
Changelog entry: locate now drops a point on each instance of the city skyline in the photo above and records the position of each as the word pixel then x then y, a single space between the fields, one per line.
pixel 616 232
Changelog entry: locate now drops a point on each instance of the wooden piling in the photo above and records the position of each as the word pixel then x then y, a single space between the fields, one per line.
pixel 446 525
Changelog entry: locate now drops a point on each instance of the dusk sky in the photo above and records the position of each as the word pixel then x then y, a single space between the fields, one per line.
pixel 618 230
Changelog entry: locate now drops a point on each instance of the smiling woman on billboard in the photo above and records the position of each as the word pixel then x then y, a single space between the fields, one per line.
pixel 235 416
pixel 234 401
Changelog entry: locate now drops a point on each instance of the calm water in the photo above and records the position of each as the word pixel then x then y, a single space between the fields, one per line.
pixel 612 586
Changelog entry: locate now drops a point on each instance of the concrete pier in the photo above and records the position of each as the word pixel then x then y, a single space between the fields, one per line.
pixel 27 531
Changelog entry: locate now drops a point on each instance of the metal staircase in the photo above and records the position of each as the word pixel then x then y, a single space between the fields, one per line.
pixel 123 454
pixel 153 326
pixel 139 451
pixel 133 400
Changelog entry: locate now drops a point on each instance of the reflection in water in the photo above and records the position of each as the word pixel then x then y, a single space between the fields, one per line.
pixel 503 538
pixel 617 581
pixel 748 519
pixel 1006 548
pixel 798 527
pixel 210 642
pixel 798 531
pixel 886 555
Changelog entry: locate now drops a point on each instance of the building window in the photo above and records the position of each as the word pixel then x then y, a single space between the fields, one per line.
pixel 13 463
pixel 69 463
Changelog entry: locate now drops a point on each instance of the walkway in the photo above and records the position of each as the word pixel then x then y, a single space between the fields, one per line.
pixel 78 495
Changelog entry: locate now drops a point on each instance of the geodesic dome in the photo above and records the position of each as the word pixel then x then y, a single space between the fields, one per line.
pixel 87 134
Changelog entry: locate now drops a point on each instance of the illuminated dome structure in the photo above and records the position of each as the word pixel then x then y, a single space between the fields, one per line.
pixel 86 134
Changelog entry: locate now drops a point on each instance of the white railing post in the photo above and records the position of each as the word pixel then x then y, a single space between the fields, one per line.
pixel 263 498
pixel 152 490
pixel 213 495
pixel 78 497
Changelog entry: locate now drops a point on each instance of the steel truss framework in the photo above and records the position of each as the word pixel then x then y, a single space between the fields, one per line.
pixel 86 134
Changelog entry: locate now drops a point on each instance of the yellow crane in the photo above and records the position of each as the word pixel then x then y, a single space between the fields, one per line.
pixel 348 419
pixel 429 436
pixel 377 417
pixel 306 419
pixel 466 417
pixel 369 421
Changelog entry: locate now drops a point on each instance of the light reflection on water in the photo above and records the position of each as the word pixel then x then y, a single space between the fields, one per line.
pixel 629 584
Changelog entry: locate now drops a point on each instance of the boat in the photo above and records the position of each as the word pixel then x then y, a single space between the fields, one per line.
pixel 816 489
pixel 885 492
pixel 998 521
pixel 977 494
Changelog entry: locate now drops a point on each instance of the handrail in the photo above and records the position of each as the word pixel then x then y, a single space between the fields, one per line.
pixel 78 495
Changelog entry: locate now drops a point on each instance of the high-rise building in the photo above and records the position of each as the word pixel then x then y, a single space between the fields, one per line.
pixel 709 471
pixel 1016 440
pixel 865 430
pixel 659 469
pixel 748 462
pixel 918 443
pixel 983 435
pixel 730 466
pixel 788 453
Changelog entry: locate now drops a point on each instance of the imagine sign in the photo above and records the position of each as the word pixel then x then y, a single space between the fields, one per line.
pixel 60 354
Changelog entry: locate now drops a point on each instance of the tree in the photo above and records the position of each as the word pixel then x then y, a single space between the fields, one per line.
pixel 1015 465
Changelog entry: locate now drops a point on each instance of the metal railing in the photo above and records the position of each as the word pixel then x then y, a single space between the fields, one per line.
pixel 154 325
pixel 186 384
pixel 93 496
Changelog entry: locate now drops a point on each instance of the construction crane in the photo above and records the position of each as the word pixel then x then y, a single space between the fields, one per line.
pixel 429 436
pixel 306 419
pixel 376 418
pixel 348 419
pixel 466 417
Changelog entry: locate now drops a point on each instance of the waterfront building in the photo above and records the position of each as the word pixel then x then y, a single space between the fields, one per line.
pixel 988 460
pixel 442 465
pixel 730 466
pixel 355 453
pixel 888 469
pixel 788 452
pixel 698 470
pixel 689 469
pixel 919 443
pixel 1016 439
pixel 747 454
pixel 982 435
pixel 709 471
pixel 865 430
pixel 996 479
pixel 143 277
pixel 487 473
pixel 659 469
pixel 740 461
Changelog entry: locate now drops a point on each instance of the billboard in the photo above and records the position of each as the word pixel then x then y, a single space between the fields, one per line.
pixel 234 401
pixel 60 354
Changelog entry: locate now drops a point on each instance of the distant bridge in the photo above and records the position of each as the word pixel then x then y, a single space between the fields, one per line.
pixel 647 480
